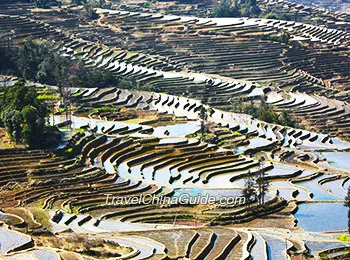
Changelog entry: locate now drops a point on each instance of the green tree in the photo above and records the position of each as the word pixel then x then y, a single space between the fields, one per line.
pixel 251 109
pixel 28 59
pixel 268 115
pixel 12 120
pixel 88 12
pixel 286 119
pixel 97 3
pixel 34 127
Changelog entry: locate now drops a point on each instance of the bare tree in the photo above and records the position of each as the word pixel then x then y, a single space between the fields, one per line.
pixel 203 116
pixel 249 192
pixel 65 94
pixel 262 183
pixel 347 204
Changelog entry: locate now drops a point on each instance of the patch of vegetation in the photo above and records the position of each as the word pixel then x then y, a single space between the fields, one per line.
pixel 79 94
pixel 317 21
pixel 68 150
pixel 282 37
pixel 45 3
pixel 94 3
pixel 199 135
pixel 191 136
pixel 284 16
pixel 237 8
pixel 80 130
pixel 61 110
pixel 88 12
pixel 336 253
pixel 106 109
pixel 344 238
pixel 41 216
pixel 48 96
pixel 84 245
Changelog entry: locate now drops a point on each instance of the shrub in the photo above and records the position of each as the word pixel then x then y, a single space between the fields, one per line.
pixel 42 216
pixel 282 37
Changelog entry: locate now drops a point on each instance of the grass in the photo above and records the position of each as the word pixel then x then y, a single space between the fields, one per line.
pixel 69 150
pixel 106 109
pixel 77 94
pixel 80 130
pixel 39 203
pixel 41 216
pixel 344 238
pixel 330 254
pixel 206 136
pixel 48 96
pixel 191 136
pixel 83 245
pixel 135 121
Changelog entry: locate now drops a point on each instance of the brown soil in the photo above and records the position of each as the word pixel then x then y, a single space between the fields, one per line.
pixel 281 219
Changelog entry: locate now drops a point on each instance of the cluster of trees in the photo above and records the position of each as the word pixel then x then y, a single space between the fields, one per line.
pixel 49 3
pixel 248 8
pixel 256 187
pixel 88 11
pixel 265 113
pixel 94 3
pixel 37 61
pixel 45 3
pixel 24 116
pixel 237 8
pixel 21 112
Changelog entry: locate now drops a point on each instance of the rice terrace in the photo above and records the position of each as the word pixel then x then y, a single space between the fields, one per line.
pixel 174 129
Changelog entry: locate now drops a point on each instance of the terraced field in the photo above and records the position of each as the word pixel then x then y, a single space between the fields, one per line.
pixel 153 142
